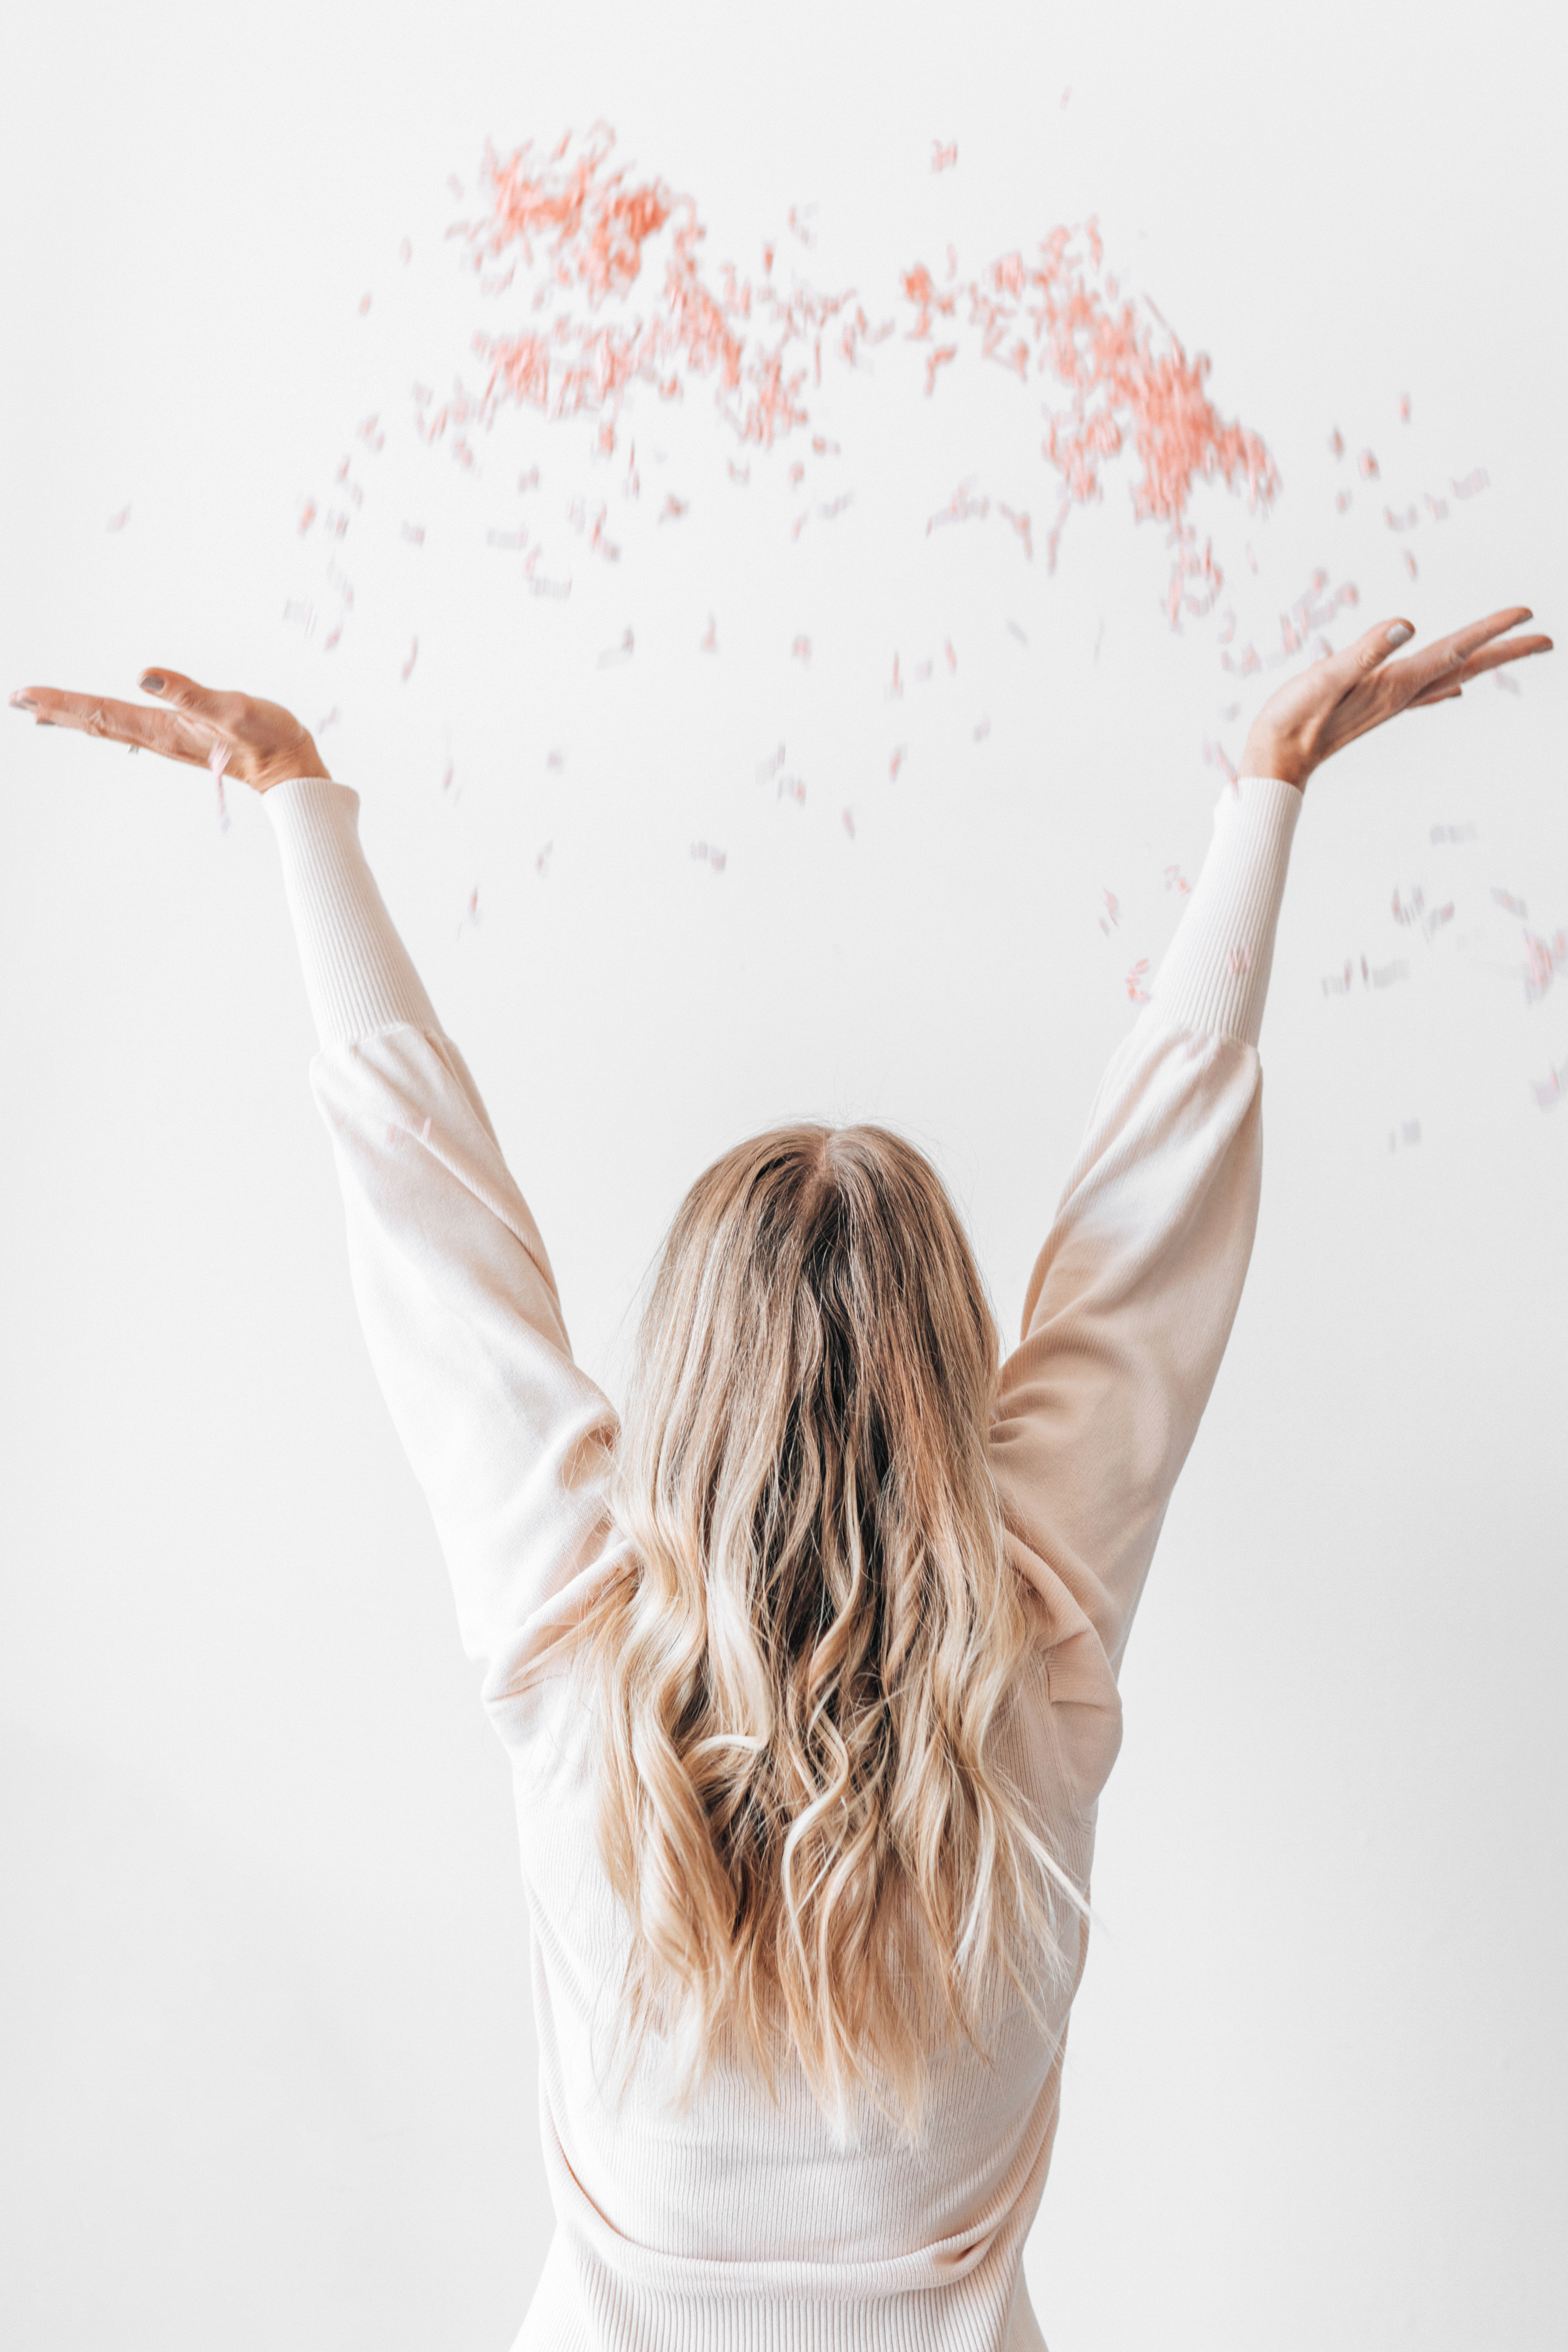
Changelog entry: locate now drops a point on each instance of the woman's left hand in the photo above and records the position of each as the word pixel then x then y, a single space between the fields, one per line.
pixel 258 743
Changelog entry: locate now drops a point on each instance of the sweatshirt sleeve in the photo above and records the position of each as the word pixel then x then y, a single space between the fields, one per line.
pixel 1132 1298
pixel 511 1443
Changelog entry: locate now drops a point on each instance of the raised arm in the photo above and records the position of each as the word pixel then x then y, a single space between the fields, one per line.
pixel 1132 1301
pixel 509 1441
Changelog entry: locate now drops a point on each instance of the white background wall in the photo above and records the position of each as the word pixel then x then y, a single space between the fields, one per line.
pixel 268 2068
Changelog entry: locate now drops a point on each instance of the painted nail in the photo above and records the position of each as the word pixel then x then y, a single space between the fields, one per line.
pixel 1399 634
pixel 22 702
pixel 152 683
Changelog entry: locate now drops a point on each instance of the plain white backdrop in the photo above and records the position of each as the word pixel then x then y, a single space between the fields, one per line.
pixel 269 2065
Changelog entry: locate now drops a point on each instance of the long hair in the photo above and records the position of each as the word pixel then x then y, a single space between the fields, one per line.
pixel 804 1661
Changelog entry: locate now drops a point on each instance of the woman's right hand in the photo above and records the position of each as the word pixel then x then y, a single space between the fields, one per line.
pixel 1344 694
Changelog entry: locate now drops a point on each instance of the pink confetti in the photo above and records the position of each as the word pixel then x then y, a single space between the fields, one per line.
pixel 1439 507
pixel 715 857
pixel 952 657
pixel 1366 466
pixel 1544 959
pixel 981 731
pixel 118 521
pixel 1509 903
pixel 710 643
pixel 896 762
pixel 673 508
pixel 1471 485
pixel 1112 915
pixel 405 251
pixel 1342 502
pixel 1135 979
pixel 623 652
pixel 371 434
pixel 1406 521
pixel 447 779
pixel 770 768
pixel 1175 880
pixel 1410 563
pixel 1548 1094
pixel 363 304
pixel 1404 406
pixel 897 686
pixel 1337 442
pixel 944 158
pixel 791 788
pixel 849 824
pixel 307 516
pixel 542 863
pixel 800 649
pixel 529 481
pixel 412 656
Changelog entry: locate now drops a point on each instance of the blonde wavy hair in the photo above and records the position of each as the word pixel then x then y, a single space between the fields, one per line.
pixel 801 1666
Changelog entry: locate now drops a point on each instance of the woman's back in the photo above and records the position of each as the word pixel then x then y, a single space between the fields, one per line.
pixel 690 2224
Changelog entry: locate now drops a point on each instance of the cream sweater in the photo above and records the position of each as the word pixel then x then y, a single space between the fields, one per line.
pixel 739 2224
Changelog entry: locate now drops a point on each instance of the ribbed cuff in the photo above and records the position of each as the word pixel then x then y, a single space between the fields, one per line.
pixel 358 976
pixel 1215 973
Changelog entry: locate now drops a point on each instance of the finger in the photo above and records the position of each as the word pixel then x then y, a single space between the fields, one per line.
pixel 1451 653
pixel 207 704
pixel 1371 649
pixel 168 733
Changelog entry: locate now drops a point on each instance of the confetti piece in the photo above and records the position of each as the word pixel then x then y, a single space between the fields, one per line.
pixel 1404 407
pixel 710 643
pixel 897 686
pixel 413 533
pixel 1505 684
pixel 529 481
pixel 1543 959
pixel 944 158
pixel 1112 915
pixel 1410 563
pixel 447 779
pixel 513 541
pixel 951 657
pixel 1135 979
pixel 1337 442
pixel 542 863
pixel 1548 1094
pixel 1471 485
pixel 981 731
pixel 800 649
pixel 837 507
pixel 405 251
pixel 1175 880
pixel 741 474
pixel 960 507
pixel 849 824
pixel 118 521
pixel 942 357
pixel 1439 507
pixel 332 719
pixel 1366 466
pixel 1342 502
pixel 715 857
pixel 307 516
pixel 556 760
pixel 408 670
pixel 896 762
pixel 770 768
pixel 1509 903
pixel 363 304
pixel 371 435
pixel 1406 521
pixel 623 652
pixel 1216 756
pixel 791 788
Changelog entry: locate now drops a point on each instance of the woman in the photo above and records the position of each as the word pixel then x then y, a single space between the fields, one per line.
pixel 808 1673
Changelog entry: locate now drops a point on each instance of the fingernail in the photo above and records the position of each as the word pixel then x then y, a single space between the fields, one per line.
pixel 152 683
pixel 1399 634
pixel 22 702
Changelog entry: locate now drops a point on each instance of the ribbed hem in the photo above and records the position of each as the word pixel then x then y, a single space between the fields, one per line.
pixel 1215 974
pixel 358 974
